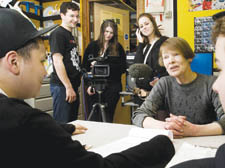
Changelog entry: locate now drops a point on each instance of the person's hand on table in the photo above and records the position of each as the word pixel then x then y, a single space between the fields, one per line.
pixel 189 129
pixel 79 129
pixel 176 124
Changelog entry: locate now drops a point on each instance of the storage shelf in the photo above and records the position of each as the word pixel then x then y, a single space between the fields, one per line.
pixel 33 16
pixel 54 17
pixel 46 0
pixel 40 18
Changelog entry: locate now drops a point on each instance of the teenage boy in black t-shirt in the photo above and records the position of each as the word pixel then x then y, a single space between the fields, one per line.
pixel 65 78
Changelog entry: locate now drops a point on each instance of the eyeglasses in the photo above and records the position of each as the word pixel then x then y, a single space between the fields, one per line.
pixel 218 15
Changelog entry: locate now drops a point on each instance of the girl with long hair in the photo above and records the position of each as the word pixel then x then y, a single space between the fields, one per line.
pixel 110 50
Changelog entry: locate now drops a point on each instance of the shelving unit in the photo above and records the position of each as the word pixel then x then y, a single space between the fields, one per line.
pixel 133 39
pixel 33 16
pixel 40 17
pixel 46 0
pixel 44 100
pixel 54 17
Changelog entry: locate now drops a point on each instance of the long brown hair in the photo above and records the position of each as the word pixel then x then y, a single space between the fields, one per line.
pixel 152 19
pixel 113 43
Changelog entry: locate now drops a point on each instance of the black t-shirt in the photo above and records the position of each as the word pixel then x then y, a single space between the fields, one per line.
pixel 62 41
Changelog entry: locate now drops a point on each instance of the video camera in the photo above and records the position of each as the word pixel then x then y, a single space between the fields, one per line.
pixel 100 69
pixel 99 73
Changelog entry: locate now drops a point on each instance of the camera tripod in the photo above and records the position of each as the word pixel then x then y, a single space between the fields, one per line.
pixel 99 106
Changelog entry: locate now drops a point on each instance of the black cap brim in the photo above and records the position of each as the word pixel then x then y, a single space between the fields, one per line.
pixel 218 15
pixel 44 31
pixel 16 30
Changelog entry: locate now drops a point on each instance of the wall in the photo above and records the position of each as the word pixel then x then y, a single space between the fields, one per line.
pixel 185 21
pixel 36 22
pixel 166 22
pixel 103 12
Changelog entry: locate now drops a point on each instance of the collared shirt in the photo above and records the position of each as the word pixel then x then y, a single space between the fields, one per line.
pixel 2 92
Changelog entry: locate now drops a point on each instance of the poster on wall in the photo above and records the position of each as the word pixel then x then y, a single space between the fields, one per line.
pixel 202 36
pixel 162 11
pixel 200 5
pixel 156 6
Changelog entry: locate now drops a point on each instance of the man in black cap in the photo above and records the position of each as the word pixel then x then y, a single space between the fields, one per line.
pixel 66 75
pixel 30 137
pixel 218 38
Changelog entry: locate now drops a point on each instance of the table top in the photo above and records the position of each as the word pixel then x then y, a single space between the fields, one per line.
pixel 99 134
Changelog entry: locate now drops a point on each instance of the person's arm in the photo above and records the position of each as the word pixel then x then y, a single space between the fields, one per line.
pixel 218 109
pixel 144 115
pixel 202 130
pixel 214 128
pixel 87 53
pixel 61 72
pixel 58 143
pixel 156 152
pixel 183 128
pixel 70 128
pixel 74 128
pixel 150 122
pixel 87 65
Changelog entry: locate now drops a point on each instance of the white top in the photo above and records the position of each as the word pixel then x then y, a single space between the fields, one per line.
pixel 2 92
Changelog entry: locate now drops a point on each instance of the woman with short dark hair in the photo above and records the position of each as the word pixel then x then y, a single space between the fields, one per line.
pixel 192 106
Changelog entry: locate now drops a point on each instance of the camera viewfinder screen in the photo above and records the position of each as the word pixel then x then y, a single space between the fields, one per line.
pixel 101 71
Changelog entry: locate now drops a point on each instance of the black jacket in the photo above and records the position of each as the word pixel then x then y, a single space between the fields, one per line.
pixel 153 58
pixel 31 138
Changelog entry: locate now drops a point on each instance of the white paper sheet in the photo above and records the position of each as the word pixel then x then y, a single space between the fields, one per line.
pixel 135 137
pixel 189 152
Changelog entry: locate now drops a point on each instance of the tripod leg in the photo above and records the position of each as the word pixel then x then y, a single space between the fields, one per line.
pixel 102 110
pixel 92 112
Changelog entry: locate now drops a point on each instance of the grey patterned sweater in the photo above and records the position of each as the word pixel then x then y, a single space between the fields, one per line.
pixel 195 100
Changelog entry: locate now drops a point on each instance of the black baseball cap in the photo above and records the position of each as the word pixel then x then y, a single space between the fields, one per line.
pixel 218 15
pixel 16 30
